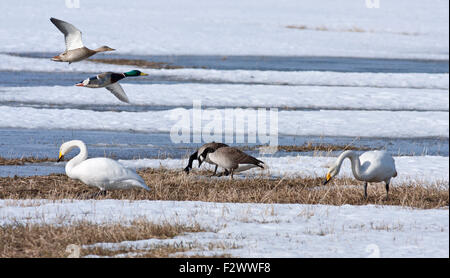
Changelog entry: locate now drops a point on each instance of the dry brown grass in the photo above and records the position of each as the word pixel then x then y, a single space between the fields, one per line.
pixel 353 29
pixel 24 160
pixel 44 240
pixel 137 63
pixel 310 147
pixel 197 186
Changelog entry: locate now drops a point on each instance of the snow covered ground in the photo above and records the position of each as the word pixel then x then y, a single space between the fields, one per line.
pixel 258 230
pixel 301 123
pixel 226 95
pixel 355 104
pixel 396 29
pixel 425 170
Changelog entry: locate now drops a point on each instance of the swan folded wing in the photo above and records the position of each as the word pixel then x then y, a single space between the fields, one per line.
pixel 118 91
pixel 71 34
pixel 377 166
pixel 107 173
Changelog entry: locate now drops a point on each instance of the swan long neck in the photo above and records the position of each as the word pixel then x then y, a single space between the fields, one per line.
pixel 356 163
pixel 80 157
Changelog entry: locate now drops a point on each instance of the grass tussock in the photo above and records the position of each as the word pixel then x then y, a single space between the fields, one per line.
pixel 43 240
pixel 311 147
pixel 197 186
pixel 137 63
pixel 24 160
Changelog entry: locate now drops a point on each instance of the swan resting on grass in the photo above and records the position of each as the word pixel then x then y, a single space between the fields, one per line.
pixel 371 166
pixel 101 172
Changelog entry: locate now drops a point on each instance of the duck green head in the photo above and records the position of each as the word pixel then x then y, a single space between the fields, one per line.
pixel 134 73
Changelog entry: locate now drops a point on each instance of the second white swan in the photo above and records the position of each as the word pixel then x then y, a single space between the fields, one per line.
pixel 101 172
pixel 371 166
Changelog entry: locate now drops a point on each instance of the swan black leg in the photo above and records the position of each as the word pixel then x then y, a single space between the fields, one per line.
pixel 387 190
pixel 365 190
pixel 231 172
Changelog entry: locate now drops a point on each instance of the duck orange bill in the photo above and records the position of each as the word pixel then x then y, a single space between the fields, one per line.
pixel 56 58
pixel 79 84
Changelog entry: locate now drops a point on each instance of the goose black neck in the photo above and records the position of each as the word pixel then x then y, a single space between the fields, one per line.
pixel 191 159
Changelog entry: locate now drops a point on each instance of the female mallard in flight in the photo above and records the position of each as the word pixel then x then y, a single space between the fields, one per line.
pixel 75 50
pixel 109 81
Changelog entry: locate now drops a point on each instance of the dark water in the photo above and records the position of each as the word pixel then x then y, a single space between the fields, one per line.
pixel 337 64
pixel 281 63
pixel 33 78
pixel 16 143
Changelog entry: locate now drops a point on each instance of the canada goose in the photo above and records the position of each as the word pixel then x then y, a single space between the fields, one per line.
pixel 196 155
pixel 109 81
pixel 371 166
pixel 231 159
pixel 75 50
pixel 101 172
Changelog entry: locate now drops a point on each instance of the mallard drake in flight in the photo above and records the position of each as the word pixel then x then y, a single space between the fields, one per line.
pixel 75 50
pixel 109 81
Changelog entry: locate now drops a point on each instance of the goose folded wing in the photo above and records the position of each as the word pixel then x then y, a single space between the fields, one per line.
pixel 244 158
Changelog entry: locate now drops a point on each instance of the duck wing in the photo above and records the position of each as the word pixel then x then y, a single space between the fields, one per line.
pixel 118 91
pixel 71 34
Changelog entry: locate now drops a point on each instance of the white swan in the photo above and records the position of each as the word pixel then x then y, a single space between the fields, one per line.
pixel 371 166
pixel 101 172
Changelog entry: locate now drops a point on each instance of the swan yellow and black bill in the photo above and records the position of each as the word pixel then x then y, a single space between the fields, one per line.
pixel 328 179
pixel 60 157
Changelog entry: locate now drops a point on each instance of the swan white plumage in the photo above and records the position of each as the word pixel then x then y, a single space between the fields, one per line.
pixel 371 166
pixel 101 172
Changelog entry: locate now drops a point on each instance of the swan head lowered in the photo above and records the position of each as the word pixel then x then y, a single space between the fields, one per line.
pixel 67 147
pixel 332 172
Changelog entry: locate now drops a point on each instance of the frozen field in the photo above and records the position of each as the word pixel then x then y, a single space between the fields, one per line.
pixel 337 72
pixel 325 28
pixel 259 230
